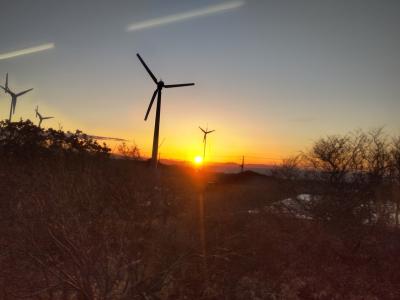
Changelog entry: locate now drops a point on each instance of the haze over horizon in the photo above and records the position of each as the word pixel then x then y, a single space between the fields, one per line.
pixel 271 76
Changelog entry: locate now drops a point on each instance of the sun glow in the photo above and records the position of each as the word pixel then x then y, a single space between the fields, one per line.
pixel 198 160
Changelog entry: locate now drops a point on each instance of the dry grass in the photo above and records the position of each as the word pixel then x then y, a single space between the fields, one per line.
pixel 91 228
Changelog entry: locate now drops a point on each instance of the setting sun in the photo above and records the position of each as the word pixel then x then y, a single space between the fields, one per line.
pixel 198 160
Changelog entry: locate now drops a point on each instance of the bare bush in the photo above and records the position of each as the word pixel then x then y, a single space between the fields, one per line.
pixel 129 152
pixel 395 175
pixel 90 227
pixel 289 169
pixel 354 172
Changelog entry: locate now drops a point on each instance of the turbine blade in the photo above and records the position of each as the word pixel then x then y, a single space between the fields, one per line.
pixel 46 118
pixel 3 88
pixel 147 68
pixel 24 92
pixel 202 129
pixel 210 131
pixel 177 85
pixel 151 103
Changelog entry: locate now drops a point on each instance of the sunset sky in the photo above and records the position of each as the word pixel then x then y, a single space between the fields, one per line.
pixel 271 76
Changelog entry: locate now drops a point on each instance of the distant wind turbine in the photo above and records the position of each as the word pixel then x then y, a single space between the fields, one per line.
pixel 14 97
pixel 160 85
pixel 41 118
pixel 205 132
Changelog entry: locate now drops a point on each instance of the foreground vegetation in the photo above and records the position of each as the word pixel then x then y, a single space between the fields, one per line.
pixel 79 225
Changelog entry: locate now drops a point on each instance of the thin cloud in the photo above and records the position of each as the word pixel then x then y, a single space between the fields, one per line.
pixel 26 51
pixel 209 10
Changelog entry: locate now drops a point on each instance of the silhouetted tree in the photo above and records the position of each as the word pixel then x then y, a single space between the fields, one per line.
pixel 395 175
pixel 338 163
pixel 24 139
pixel 377 157
pixel 348 177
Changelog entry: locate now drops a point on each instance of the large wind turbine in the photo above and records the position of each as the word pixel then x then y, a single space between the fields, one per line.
pixel 160 85
pixel 14 97
pixel 41 118
pixel 205 132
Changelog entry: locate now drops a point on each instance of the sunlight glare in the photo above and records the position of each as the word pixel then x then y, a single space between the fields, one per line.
pixel 198 160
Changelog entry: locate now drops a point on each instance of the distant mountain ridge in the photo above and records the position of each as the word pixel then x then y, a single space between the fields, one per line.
pixel 227 167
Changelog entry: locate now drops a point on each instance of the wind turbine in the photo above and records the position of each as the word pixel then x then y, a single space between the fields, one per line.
pixel 160 85
pixel 41 118
pixel 205 140
pixel 14 97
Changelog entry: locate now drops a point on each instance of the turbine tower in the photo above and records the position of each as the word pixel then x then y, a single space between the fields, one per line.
pixel 160 85
pixel 41 118
pixel 205 140
pixel 14 97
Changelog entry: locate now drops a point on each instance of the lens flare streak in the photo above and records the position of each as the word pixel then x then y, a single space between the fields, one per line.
pixel 185 16
pixel 26 51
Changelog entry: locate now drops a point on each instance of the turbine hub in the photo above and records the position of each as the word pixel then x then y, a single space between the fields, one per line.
pixel 160 83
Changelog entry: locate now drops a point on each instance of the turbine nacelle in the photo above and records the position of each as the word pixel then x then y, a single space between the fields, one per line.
pixel 160 85
pixel 206 131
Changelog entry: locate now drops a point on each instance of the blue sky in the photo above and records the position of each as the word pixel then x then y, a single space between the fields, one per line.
pixel 271 76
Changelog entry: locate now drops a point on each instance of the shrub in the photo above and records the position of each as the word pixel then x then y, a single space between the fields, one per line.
pixel 24 139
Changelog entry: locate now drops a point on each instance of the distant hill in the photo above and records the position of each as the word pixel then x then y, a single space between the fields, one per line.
pixel 224 167
pixel 246 176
